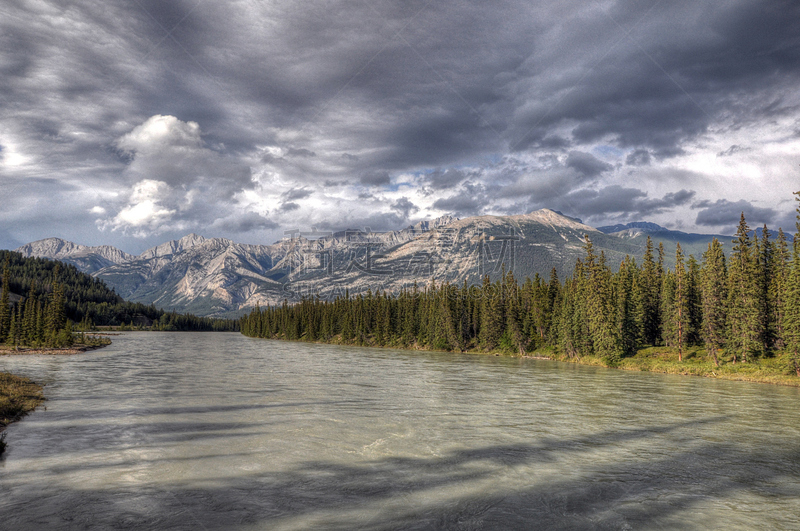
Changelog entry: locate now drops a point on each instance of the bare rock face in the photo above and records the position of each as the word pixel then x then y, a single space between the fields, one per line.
pixel 216 276
pixel 87 259
pixel 174 246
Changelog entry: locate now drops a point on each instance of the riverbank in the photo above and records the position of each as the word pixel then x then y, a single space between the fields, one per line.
pixel 18 397
pixel 77 348
pixel 777 370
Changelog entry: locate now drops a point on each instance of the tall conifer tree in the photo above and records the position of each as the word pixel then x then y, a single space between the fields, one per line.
pixel 491 315
pixel 694 301
pixel 600 307
pixel 680 315
pixel 792 306
pixel 765 275
pixel 5 304
pixel 745 322
pixel 626 307
pixel 778 287
pixel 648 294
pixel 714 298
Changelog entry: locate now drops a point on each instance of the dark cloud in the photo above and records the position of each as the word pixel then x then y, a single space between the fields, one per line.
pixel 405 207
pixel 469 201
pixel 268 157
pixel 375 178
pixel 289 207
pixel 681 197
pixel 609 200
pixel 297 193
pixel 309 95
pixel 248 222
pixel 724 213
pixel 732 150
pixel 587 164
pixel 554 142
pixel 300 152
pixel 443 180
pixel 639 157
pixel 621 202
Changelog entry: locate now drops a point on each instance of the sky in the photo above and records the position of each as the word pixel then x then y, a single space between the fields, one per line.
pixel 134 122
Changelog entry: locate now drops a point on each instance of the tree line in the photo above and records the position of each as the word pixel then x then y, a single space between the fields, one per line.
pixel 37 321
pixel 745 307
pixel 44 300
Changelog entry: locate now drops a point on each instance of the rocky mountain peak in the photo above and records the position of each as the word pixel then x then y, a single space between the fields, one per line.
pixel 554 217
pixel 216 276
pixel 434 224
pixel 87 259
pixel 174 246
pixel 50 247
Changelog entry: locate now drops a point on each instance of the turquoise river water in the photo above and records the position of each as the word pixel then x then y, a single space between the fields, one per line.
pixel 220 431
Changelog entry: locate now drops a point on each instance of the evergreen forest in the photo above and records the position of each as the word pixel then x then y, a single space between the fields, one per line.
pixel 740 308
pixel 42 301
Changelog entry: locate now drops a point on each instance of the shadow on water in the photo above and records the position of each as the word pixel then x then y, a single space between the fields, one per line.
pixel 462 489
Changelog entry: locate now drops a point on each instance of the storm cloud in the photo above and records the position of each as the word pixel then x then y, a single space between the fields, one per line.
pixel 727 213
pixel 152 118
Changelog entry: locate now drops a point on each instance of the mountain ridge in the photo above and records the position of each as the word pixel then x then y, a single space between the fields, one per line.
pixel 217 276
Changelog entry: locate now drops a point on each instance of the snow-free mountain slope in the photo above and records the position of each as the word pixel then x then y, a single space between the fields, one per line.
pixel 87 259
pixel 216 276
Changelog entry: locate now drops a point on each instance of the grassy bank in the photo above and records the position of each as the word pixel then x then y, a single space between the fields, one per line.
pixel 697 362
pixel 83 343
pixel 18 396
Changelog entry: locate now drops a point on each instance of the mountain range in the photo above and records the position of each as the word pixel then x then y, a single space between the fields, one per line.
pixel 219 277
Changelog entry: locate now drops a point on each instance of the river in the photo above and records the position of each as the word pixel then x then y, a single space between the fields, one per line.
pixel 220 431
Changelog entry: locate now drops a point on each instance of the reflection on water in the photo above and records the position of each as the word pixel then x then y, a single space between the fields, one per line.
pixel 219 431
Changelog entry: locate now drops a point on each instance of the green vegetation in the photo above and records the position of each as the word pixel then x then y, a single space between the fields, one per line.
pixel 738 318
pixel 71 299
pixel 37 321
pixel 18 396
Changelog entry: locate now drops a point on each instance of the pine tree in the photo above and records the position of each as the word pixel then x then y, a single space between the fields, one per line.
pixel 491 315
pixel 625 306
pixel 600 304
pixel 677 316
pixel 553 292
pixel 12 338
pixel 714 297
pixel 792 305
pixel 765 273
pixel 694 302
pixel 777 288
pixel 28 332
pixel 668 325
pixel 567 340
pixel 745 322
pixel 513 313
pixel 5 304
pixel 648 294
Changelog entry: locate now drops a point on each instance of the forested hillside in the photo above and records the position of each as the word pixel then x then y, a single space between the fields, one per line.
pixel 746 306
pixel 86 300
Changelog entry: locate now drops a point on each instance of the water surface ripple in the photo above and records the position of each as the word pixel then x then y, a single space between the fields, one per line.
pixel 219 431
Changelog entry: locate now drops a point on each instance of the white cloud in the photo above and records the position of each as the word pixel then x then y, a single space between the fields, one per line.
pixel 144 212
pixel 176 180
pixel 160 133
